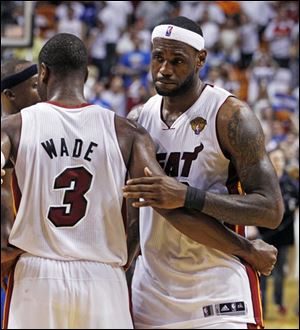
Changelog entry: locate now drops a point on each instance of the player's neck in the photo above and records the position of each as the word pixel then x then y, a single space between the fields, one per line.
pixel 181 103
pixel 66 90
pixel 67 96
pixel 9 111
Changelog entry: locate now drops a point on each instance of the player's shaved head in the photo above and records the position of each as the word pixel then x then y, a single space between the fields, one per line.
pixel 64 53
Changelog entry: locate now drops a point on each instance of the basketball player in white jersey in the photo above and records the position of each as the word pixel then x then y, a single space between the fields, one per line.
pixel 71 161
pixel 70 168
pixel 18 90
pixel 208 140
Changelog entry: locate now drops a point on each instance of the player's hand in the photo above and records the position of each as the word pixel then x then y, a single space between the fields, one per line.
pixel 263 257
pixel 158 191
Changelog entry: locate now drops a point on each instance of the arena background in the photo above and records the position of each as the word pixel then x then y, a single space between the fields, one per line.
pixel 253 49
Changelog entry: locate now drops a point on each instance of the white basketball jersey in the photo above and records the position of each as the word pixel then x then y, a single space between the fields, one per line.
pixel 70 173
pixel 179 283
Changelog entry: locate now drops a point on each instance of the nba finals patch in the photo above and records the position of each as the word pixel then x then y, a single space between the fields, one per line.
pixel 169 31
pixel 198 124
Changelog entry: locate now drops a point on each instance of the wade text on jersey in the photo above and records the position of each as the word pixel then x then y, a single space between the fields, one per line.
pixel 76 149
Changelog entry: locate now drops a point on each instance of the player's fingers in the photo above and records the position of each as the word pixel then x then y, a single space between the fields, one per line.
pixel 267 271
pixel 139 187
pixel 149 202
pixel 140 194
pixel 143 180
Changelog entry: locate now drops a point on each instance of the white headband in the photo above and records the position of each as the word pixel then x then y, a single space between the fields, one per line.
pixel 177 33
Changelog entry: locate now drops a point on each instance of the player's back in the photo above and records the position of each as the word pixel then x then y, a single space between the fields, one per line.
pixel 70 173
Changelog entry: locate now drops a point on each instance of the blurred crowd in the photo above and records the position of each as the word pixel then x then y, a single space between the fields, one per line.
pixel 253 52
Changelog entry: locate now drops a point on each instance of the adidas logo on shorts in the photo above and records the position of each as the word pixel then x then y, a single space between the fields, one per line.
pixel 230 308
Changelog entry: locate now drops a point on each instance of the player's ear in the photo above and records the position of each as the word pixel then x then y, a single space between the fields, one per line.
pixel 201 58
pixel 9 94
pixel 44 73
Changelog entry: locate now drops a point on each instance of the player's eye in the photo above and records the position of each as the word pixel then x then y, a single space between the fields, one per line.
pixel 177 61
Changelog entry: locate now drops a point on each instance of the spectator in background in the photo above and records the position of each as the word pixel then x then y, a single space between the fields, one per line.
pixel 153 12
pixel 278 34
pixel 195 10
pixel 115 96
pixel 290 147
pixel 98 99
pixel 96 45
pixel 62 9
pixel 114 16
pixel 89 86
pixel 230 8
pixel 134 65
pixel 264 112
pixel 215 58
pixel 126 42
pixel 89 14
pixel 210 28
pixel 278 134
pixel 261 71
pixel 283 236
pixel 216 76
pixel 260 13
pixel 137 92
pixel 71 24
pixel 229 39
pixel 249 41
pixel 294 63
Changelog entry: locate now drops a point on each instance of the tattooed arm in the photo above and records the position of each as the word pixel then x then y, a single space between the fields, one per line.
pixel 194 224
pixel 242 141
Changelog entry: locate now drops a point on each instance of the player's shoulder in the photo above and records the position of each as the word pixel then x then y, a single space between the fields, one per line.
pixel 234 108
pixel 238 128
pixel 11 128
pixel 8 122
pixel 137 111
pixel 128 127
pixel 129 133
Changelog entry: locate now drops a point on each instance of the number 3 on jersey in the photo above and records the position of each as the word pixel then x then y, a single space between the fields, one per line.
pixel 76 182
